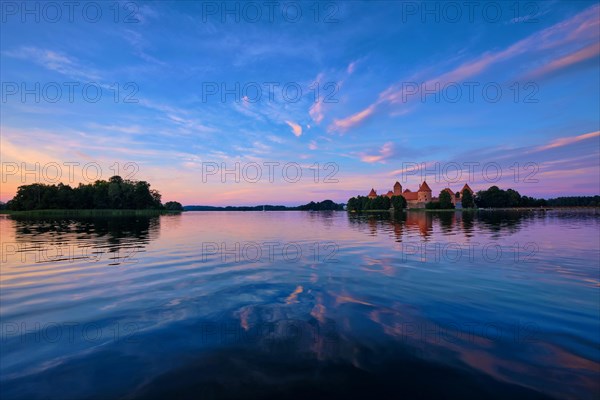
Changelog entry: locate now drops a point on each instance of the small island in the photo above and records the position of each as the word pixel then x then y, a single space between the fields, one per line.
pixel 113 197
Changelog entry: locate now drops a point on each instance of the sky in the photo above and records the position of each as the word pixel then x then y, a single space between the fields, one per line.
pixel 248 103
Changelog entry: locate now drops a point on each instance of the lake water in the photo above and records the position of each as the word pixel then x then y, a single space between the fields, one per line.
pixel 300 304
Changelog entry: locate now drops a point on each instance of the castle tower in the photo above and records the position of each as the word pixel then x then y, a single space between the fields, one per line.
pixel 424 193
pixel 397 189
pixel 372 194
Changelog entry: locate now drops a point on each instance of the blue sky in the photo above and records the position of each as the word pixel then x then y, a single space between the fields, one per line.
pixel 515 88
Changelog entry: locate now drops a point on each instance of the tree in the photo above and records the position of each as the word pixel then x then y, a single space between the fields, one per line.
pixel 513 198
pixel 398 202
pixel 100 190
pixel 432 205
pixel 365 203
pixel 114 194
pixel 380 203
pixel 156 199
pixel 115 179
pixel 467 199
pixel 494 197
pixel 445 200
pixel 386 203
pixel 353 204
pixel 173 206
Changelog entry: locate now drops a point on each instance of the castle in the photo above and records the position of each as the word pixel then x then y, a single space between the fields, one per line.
pixel 422 196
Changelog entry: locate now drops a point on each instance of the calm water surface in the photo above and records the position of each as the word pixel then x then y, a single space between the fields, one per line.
pixel 301 304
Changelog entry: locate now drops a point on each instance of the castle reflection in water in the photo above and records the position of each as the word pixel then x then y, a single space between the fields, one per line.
pixel 424 222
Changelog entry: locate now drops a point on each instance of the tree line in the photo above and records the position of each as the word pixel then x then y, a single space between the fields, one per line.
pixel 364 203
pixel 115 193
pixel 575 201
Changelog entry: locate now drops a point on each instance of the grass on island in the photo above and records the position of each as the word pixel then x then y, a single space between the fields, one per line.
pixel 88 213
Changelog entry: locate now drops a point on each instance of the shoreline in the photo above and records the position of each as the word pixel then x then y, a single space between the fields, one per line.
pixel 150 212
pixel 88 212
pixel 481 209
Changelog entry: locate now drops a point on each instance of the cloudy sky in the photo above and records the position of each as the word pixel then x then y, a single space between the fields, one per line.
pixel 227 103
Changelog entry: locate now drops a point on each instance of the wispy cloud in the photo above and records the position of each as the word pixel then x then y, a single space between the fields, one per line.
pixel 345 123
pixel 351 67
pixel 385 152
pixel 567 141
pixel 55 61
pixel 582 28
pixel 568 60
pixel 127 129
pixel 275 139
pixel 316 112
pixel 178 116
pixel 140 46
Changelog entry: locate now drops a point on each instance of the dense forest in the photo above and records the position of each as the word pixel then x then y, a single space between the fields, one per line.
pixel 115 193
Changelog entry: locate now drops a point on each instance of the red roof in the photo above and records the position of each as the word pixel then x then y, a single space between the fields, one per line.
pixel 397 184
pixel 407 190
pixel 449 191
pixel 372 192
pixel 424 187
pixel 467 187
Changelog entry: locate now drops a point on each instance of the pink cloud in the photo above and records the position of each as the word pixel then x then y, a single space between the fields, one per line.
pixel 343 124
pixel 570 59
pixel 567 141
pixel 316 112
pixel 384 153
pixel 296 129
